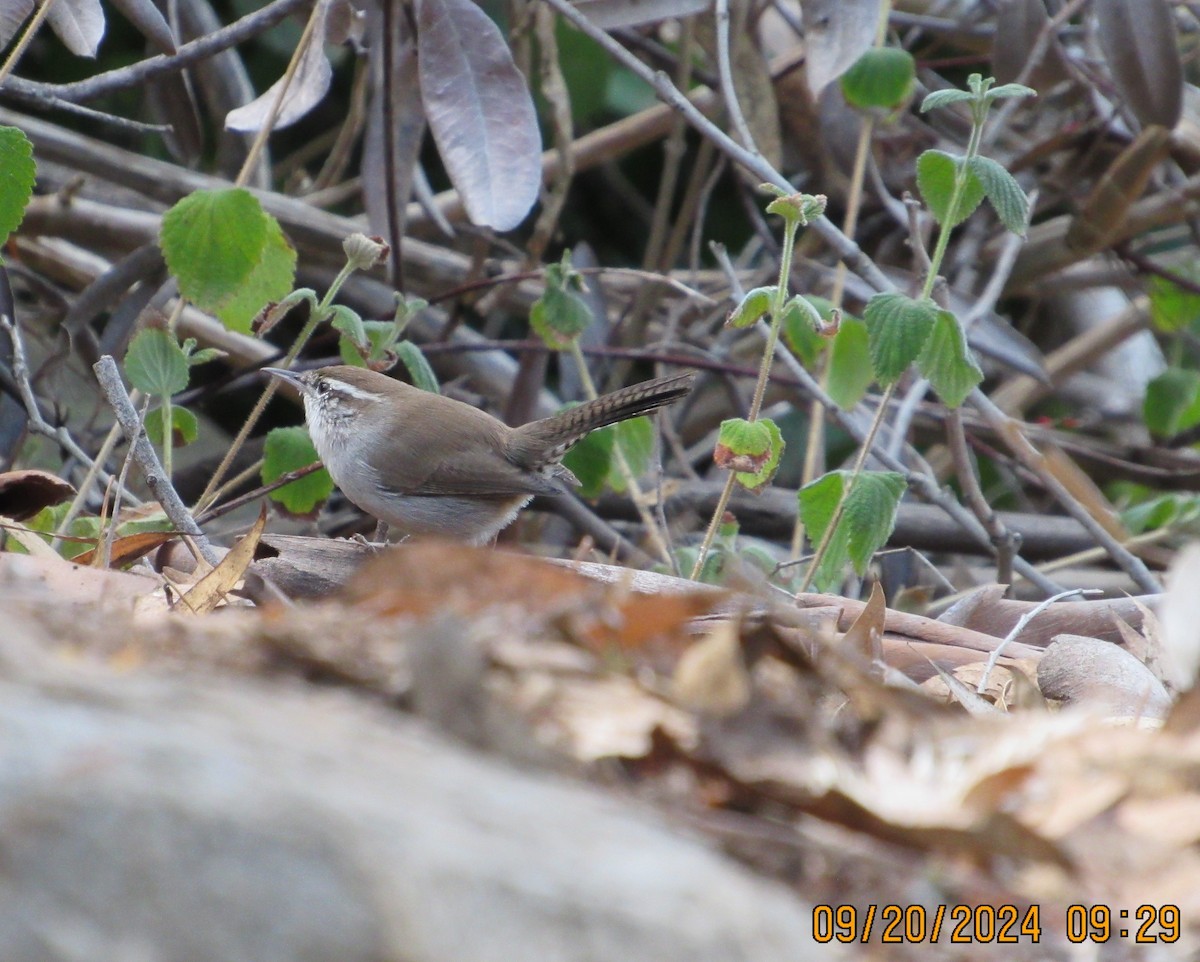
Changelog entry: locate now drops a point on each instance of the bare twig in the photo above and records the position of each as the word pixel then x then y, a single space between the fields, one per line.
pixel 138 73
pixel 1024 620
pixel 845 248
pixel 33 413
pixel 109 379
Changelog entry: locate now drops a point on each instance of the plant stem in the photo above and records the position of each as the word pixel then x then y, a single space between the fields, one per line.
pixel 631 484
pixel 791 225
pixel 318 314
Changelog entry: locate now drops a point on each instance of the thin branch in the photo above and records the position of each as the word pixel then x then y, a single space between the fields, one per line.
pixel 842 245
pixel 109 379
pixel 137 74
pixel 33 413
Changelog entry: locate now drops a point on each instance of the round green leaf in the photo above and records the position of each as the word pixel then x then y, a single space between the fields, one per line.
pixel 155 363
pixel 212 241
pixel 882 77
pixel 269 280
pixel 185 427
pixel 850 371
pixel 289 449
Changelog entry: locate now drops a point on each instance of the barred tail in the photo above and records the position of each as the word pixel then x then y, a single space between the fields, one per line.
pixel 545 441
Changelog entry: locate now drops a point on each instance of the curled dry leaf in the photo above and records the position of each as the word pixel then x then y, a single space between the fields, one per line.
pixel 837 32
pixel 24 493
pixel 308 86
pixel 211 590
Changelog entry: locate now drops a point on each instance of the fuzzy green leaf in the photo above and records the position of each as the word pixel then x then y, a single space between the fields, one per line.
pixel 155 363
pixel 559 316
pixel 798 327
pixel 418 367
pixel 289 449
pixel 1003 193
pixel 943 98
pixel 897 328
pixel 754 305
pixel 850 370
pixel 867 519
pixel 1172 308
pixel 751 449
pixel 936 173
pixel 185 427
pixel 1172 402
pixel 17 172
pixel 270 279
pixel 212 241
pixel 947 361
pixel 1010 90
pixel 349 323
pixel 882 78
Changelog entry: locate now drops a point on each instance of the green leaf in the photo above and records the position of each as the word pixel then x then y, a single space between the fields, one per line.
pixel 185 426
pixel 270 279
pixel 591 462
pixel 897 328
pixel 1172 402
pixel 751 449
pixel 1173 308
pixel 204 355
pixel 801 318
pixel 212 241
pixel 559 316
pixel 867 519
pixel 1010 90
pixel 418 367
pixel 289 449
pixel 17 172
pixel 349 323
pixel 635 438
pixel 943 98
pixel 936 173
pixel 882 77
pixel 850 370
pixel 753 305
pixel 380 336
pixel 1003 193
pixel 155 363
pixel 947 361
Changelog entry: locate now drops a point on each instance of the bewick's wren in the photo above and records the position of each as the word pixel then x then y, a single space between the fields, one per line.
pixel 428 464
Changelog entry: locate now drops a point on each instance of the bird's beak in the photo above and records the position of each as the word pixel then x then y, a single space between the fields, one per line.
pixel 291 377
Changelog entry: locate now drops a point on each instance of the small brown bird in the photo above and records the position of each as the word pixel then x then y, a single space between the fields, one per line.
pixel 428 464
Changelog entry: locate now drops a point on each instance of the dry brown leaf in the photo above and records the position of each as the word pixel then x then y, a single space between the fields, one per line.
pixel 711 676
pixel 211 590
pixel 129 548
pixel 24 493
pixel 864 636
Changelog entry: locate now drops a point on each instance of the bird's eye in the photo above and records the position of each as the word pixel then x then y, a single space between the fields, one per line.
pixel 322 388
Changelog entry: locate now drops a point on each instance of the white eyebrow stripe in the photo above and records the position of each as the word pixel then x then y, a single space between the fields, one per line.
pixel 352 391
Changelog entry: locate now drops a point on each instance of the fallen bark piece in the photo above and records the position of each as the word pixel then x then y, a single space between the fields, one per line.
pixel 1081 670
